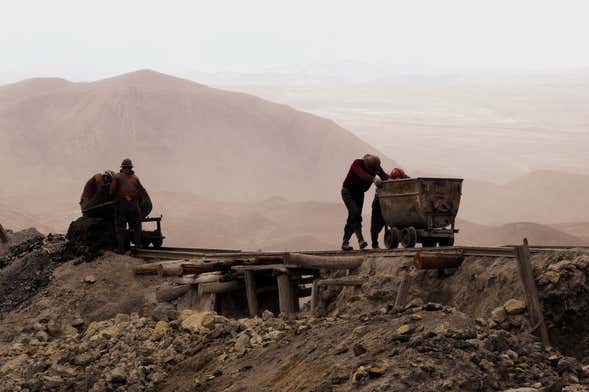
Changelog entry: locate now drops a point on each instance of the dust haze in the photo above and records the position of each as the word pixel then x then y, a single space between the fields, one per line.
pixel 244 139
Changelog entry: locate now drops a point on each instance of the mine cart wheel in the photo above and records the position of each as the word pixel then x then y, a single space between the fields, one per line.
pixel 145 241
pixel 157 242
pixel 428 242
pixel 391 238
pixel 409 237
pixel 448 241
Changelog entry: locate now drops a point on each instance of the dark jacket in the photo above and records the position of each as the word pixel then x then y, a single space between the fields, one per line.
pixel 92 186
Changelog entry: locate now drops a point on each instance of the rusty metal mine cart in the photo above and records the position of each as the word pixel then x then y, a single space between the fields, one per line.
pixel 420 210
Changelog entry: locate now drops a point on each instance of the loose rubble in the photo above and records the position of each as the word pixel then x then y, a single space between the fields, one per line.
pixel 462 330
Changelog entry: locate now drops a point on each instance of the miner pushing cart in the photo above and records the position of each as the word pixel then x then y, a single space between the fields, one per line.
pixel 420 210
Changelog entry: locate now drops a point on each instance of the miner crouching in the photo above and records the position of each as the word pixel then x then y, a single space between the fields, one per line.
pixel 126 190
pixel 363 172
pixel 96 190
pixel 377 222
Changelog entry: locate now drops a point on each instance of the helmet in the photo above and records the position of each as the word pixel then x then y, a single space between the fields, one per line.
pixel 127 164
pixel 397 173
pixel 108 175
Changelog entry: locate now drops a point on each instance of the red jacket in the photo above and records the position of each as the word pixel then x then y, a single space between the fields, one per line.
pixel 126 185
pixel 359 178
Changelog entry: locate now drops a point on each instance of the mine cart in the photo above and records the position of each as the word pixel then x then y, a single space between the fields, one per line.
pixel 420 210
pixel 106 212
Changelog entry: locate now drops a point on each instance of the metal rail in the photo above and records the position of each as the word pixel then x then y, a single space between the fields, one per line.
pixel 193 253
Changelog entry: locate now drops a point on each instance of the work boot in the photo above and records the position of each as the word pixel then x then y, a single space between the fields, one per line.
pixel 137 239
pixel 121 239
pixel 361 242
pixel 346 241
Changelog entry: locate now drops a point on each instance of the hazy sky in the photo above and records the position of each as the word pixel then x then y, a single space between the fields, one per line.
pixel 91 39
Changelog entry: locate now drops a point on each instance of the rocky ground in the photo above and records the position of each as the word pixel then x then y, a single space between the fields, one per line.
pixel 91 325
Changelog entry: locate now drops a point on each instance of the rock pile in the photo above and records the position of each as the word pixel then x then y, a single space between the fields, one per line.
pixel 27 266
pixel 128 352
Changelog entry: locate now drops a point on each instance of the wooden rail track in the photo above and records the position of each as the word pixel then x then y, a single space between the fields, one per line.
pixel 172 253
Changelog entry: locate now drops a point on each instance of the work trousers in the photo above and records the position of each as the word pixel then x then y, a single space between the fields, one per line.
pixel 127 212
pixel 376 220
pixel 354 202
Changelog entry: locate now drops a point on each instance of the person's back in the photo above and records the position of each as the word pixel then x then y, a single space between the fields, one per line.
pixel 126 185
pixel 96 190
pixel 126 189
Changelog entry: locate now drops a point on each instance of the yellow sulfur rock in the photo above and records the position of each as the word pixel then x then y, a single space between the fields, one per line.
pixel 162 328
pixel 552 276
pixel 404 329
pixel 198 321
pixel 514 306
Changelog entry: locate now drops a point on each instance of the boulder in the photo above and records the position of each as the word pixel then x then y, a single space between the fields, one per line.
pixel 242 343
pixel 404 329
pixel 499 314
pixel 359 375
pixel 514 306
pixel 91 279
pixel 196 322
pixel 551 276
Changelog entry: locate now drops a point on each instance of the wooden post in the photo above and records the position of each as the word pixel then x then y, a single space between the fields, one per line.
pixel 401 299
pixel 294 289
pixel 526 274
pixel 3 235
pixel 285 299
pixel 250 291
pixel 315 296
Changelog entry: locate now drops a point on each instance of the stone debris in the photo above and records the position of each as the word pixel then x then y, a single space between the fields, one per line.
pixel 514 306
pixel 474 337
pixel 90 279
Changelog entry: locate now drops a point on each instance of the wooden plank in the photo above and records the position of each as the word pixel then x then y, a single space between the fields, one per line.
pixel 154 268
pixel 206 277
pixel 344 281
pixel 327 262
pixel 170 293
pixel 219 287
pixel 267 267
pixel 402 294
pixel 526 274
pixel 285 299
pixel 437 260
pixel 250 292
pixel 170 270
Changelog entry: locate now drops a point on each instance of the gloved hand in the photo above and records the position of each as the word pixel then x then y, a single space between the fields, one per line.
pixel 377 182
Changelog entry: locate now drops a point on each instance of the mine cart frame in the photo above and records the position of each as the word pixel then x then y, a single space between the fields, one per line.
pixel 155 237
pixel 107 212
pixel 420 210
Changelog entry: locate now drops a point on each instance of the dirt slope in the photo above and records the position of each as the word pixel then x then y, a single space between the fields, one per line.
pixel 457 323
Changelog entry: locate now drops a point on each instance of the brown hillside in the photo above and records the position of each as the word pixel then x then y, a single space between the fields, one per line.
pixel 513 233
pixel 182 135
pixel 541 196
